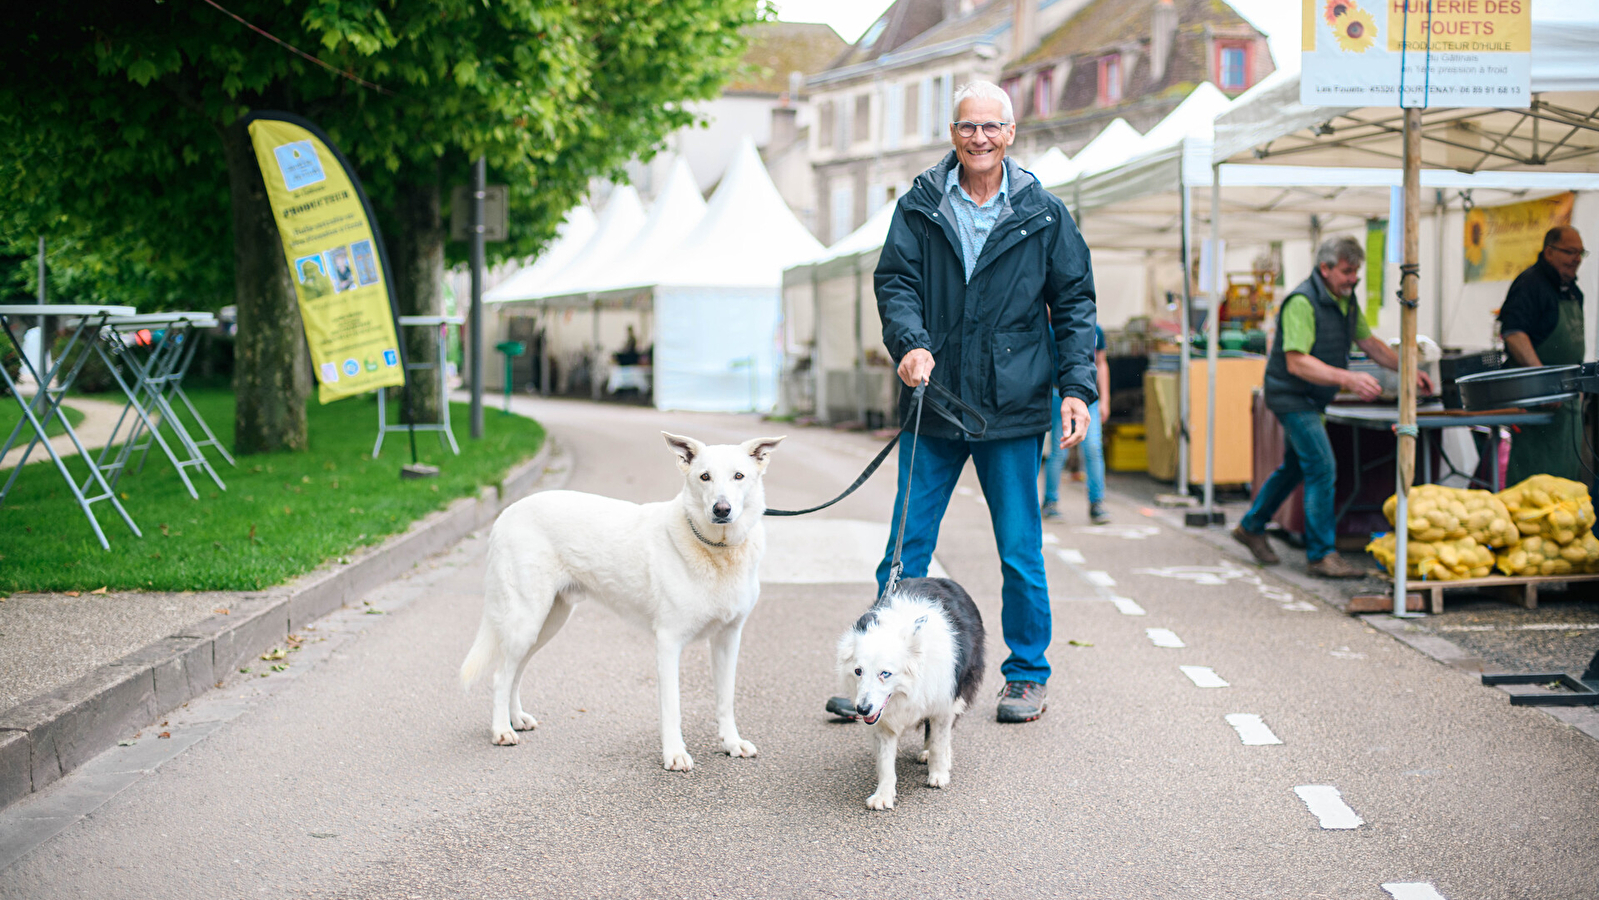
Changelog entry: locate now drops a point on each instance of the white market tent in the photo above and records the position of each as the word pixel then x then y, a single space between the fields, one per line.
pixel 619 223
pixel 573 233
pixel 677 211
pixel 1051 167
pixel 718 306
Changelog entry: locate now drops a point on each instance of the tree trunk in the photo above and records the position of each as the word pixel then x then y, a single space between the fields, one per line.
pixel 419 286
pixel 272 368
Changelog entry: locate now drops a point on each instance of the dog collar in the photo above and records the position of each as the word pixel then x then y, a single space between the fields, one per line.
pixel 703 539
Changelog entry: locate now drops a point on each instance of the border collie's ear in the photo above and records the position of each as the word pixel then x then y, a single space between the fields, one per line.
pixel 686 448
pixel 760 449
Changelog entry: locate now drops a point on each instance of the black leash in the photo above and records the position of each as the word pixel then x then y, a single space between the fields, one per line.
pixel 918 400
pixel 982 429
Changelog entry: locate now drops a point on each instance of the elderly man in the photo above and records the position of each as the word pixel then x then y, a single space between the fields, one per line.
pixel 984 285
pixel 1307 368
pixel 1541 322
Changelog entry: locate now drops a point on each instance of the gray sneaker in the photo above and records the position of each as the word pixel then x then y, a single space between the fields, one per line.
pixel 1097 514
pixel 1021 701
pixel 1049 512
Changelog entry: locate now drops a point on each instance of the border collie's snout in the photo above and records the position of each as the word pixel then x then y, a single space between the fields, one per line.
pixel 721 511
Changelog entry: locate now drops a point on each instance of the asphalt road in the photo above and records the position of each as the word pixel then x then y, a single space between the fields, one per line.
pixel 364 771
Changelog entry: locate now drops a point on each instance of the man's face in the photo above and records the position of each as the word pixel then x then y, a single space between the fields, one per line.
pixel 1342 277
pixel 1565 255
pixel 981 153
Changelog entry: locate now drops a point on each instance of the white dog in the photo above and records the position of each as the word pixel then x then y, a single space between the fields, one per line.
pixel 914 658
pixel 683 569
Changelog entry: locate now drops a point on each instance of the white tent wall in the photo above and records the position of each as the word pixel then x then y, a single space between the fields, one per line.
pixel 705 337
pixel 1121 286
pixel 569 336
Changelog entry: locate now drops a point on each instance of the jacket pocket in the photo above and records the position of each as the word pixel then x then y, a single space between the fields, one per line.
pixel 1021 371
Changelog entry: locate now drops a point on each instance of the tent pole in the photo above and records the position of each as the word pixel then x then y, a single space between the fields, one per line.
pixel 1212 333
pixel 818 370
pixel 1440 207
pixel 860 349
pixel 1409 278
pixel 594 367
pixel 1182 334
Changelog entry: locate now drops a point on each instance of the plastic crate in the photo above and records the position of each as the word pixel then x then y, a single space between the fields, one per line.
pixel 1127 451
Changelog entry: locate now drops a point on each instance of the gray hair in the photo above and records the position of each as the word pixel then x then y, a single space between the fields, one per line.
pixel 1339 250
pixel 983 90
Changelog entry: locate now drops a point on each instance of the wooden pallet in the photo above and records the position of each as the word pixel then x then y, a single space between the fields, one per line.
pixel 1520 589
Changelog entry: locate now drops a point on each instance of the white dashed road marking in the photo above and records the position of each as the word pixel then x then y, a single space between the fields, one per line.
pixel 1125 532
pixel 1412 890
pixel 1328 806
pixel 1252 731
pixel 1050 538
pixel 1127 607
pixel 1203 676
pixel 1070 556
pixel 1165 637
pixel 1101 578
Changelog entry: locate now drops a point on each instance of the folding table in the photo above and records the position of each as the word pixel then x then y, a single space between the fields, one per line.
pixel 46 404
pixel 441 324
pixel 149 368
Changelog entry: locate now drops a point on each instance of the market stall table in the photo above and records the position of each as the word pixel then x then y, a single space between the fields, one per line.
pixel 148 368
pixel 1429 420
pixel 46 404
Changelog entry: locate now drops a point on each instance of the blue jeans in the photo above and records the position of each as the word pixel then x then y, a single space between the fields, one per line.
pixel 1008 472
pixel 1093 456
pixel 1308 458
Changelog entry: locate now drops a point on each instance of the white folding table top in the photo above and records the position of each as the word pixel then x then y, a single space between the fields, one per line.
pixel 432 320
pixel 64 309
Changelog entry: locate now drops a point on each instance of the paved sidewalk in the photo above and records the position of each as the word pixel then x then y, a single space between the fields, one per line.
pixel 99 417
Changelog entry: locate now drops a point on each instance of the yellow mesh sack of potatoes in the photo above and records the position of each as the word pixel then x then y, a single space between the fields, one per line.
pixel 1558 509
pixel 1538 555
pixel 1436 560
pixel 1439 513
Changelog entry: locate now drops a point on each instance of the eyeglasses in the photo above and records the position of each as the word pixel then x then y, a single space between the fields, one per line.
pixel 990 129
pixel 1580 254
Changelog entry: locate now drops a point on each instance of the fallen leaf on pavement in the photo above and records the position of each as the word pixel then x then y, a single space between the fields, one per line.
pixel 221 611
pixel 274 653
pixel 100 591
pixel 127 743
pixel 71 593
pixel 1080 643
pixel 164 734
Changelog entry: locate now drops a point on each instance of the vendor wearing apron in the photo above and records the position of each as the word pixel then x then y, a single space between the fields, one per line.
pixel 1541 323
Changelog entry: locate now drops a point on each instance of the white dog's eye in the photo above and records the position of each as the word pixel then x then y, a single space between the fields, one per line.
pixel 857 671
pixel 884 675
pixel 705 476
pixel 738 476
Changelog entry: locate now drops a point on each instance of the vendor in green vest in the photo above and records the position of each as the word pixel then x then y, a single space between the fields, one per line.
pixel 1541 323
pixel 1308 366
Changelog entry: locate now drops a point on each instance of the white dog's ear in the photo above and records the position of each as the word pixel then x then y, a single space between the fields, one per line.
pixel 760 449
pixel 686 448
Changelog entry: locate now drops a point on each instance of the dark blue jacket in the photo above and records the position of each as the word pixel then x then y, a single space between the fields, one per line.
pixel 991 339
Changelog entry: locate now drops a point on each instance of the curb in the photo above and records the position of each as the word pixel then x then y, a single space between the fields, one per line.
pixel 48 736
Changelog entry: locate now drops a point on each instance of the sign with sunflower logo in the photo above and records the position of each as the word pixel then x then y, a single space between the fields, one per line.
pixel 1416 53
pixel 1501 241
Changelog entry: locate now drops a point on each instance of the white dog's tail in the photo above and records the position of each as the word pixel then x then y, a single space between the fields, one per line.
pixel 484 655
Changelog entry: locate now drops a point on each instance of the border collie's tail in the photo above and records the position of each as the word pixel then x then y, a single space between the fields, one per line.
pixel 484 655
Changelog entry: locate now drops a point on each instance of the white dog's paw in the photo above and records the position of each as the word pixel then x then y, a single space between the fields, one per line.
pixel 524 722
pixel 506 738
pixel 938 779
pixel 677 761
pixel 738 747
pixel 922 756
pixel 881 800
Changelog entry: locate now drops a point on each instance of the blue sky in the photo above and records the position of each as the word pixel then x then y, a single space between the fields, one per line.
pixel 1279 19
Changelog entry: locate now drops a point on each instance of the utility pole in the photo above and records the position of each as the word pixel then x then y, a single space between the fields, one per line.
pixel 475 330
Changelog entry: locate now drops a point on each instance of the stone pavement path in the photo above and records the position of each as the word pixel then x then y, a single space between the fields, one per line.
pixel 99 417
pixel 1211 733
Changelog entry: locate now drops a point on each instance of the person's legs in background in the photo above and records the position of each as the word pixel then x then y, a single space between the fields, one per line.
pixel 1251 530
pixel 1307 435
pixel 1094 461
pixel 1008 469
pixel 1055 462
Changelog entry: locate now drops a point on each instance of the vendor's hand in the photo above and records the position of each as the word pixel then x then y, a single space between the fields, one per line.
pixel 1073 421
pixel 1428 389
pixel 1362 385
pixel 916 367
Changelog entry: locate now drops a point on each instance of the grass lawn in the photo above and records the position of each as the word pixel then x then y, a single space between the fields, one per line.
pixel 10 415
pixel 283 514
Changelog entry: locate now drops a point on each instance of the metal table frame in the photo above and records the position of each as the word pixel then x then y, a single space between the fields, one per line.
pixel 46 404
pixel 153 378
pixel 441 323
pixel 1429 422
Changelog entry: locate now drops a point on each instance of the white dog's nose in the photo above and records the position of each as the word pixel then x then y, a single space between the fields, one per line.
pixel 720 510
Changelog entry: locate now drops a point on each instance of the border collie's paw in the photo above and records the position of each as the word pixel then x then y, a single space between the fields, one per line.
pixel 677 761
pixel 938 779
pixel 922 756
pixel 524 722
pixel 881 800
pixel 506 738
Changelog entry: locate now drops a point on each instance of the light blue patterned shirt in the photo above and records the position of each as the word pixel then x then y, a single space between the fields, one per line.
pixel 973 222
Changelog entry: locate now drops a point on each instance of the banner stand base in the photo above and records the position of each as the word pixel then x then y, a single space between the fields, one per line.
pixel 418 470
